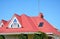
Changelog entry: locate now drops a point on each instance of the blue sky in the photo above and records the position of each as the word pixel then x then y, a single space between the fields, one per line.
pixel 50 9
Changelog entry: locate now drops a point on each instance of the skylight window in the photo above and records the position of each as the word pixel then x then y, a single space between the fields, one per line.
pixel 41 24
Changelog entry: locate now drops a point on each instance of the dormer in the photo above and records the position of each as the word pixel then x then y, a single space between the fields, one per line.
pixel 1 24
pixel 14 23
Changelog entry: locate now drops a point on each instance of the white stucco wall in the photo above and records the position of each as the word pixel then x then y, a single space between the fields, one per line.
pixel 16 36
pixel 56 37
pixel 11 37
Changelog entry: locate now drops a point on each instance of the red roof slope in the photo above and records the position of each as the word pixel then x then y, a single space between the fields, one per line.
pixel 29 24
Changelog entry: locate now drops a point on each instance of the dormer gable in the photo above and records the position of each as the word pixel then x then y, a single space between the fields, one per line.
pixel 14 23
pixel 1 24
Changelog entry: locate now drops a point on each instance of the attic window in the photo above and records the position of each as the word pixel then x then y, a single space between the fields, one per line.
pixel 15 20
pixel 15 25
pixel 41 24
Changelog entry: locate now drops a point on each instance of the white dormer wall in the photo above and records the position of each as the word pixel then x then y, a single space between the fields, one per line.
pixel 1 24
pixel 13 24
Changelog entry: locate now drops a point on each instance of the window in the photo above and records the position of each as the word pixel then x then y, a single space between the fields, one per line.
pixel 41 24
pixel 18 25
pixel 11 25
pixel 15 20
pixel 14 24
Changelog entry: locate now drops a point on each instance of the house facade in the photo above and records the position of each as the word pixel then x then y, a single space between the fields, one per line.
pixel 23 25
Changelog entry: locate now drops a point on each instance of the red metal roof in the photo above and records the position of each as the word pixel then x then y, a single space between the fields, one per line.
pixel 29 24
